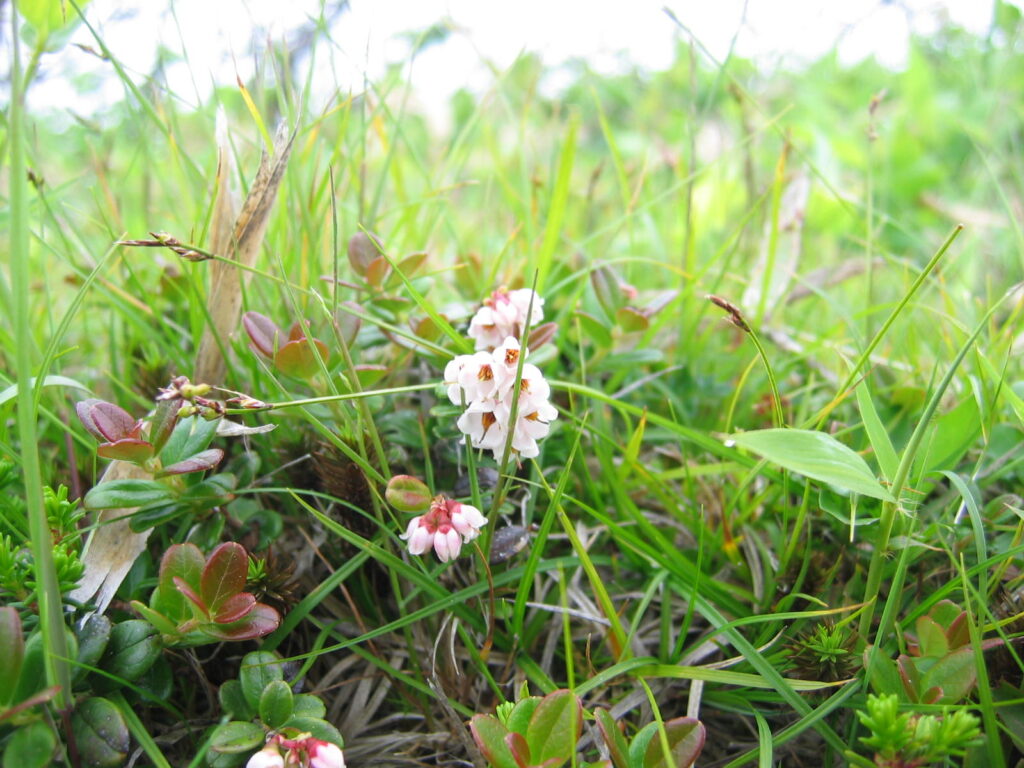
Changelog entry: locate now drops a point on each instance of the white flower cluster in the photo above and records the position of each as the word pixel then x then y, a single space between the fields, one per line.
pixel 504 314
pixel 485 383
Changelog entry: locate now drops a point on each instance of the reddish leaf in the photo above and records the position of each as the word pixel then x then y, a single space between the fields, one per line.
pixel 296 331
pixel 489 735
pixel 162 424
pixel 106 421
pixel 129 449
pixel 377 272
pixel 200 462
pixel 517 745
pixel 84 410
pixel 408 266
pixel 262 332
pixel 296 358
pixel 363 248
pixel 262 620
pixel 224 575
pixel 182 586
pixel 234 608
pixel 541 335
pixel 184 561
pixel 685 742
pixel 958 634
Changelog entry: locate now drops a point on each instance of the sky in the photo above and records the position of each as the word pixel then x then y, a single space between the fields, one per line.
pixel 215 39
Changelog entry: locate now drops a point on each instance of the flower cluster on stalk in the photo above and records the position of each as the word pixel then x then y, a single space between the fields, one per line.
pixel 484 383
pixel 444 527
pixel 503 314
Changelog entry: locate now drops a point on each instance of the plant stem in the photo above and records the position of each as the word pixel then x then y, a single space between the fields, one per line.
pixel 51 620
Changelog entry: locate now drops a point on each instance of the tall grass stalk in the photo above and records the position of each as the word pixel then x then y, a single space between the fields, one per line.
pixel 51 621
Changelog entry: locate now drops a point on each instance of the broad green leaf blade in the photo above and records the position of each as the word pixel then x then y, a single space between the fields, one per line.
pixel 816 455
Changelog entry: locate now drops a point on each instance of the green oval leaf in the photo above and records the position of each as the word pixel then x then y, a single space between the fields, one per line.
pixel 276 704
pixel 815 455
pixel 100 733
pixel 133 648
pixel 235 737
pixel 259 669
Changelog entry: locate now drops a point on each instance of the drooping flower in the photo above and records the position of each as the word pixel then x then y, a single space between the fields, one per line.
pixel 444 527
pixel 503 314
pixel 268 757
pixel 303 750
pixel 323 754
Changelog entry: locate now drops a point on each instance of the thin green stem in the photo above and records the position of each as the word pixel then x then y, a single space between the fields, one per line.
pixel 51 620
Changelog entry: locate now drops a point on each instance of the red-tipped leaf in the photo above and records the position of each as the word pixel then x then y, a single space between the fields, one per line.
pixel 224 575
pixel 200 462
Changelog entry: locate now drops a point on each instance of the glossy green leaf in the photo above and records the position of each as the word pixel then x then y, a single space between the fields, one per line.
pixel 93 637
pixel 320 729
pixel 233 702
pixel 133 648
pixel 100 733
pixel 236 737
pixel 276 704
pixel 816 455
pixel 126 494
pixel 259 669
